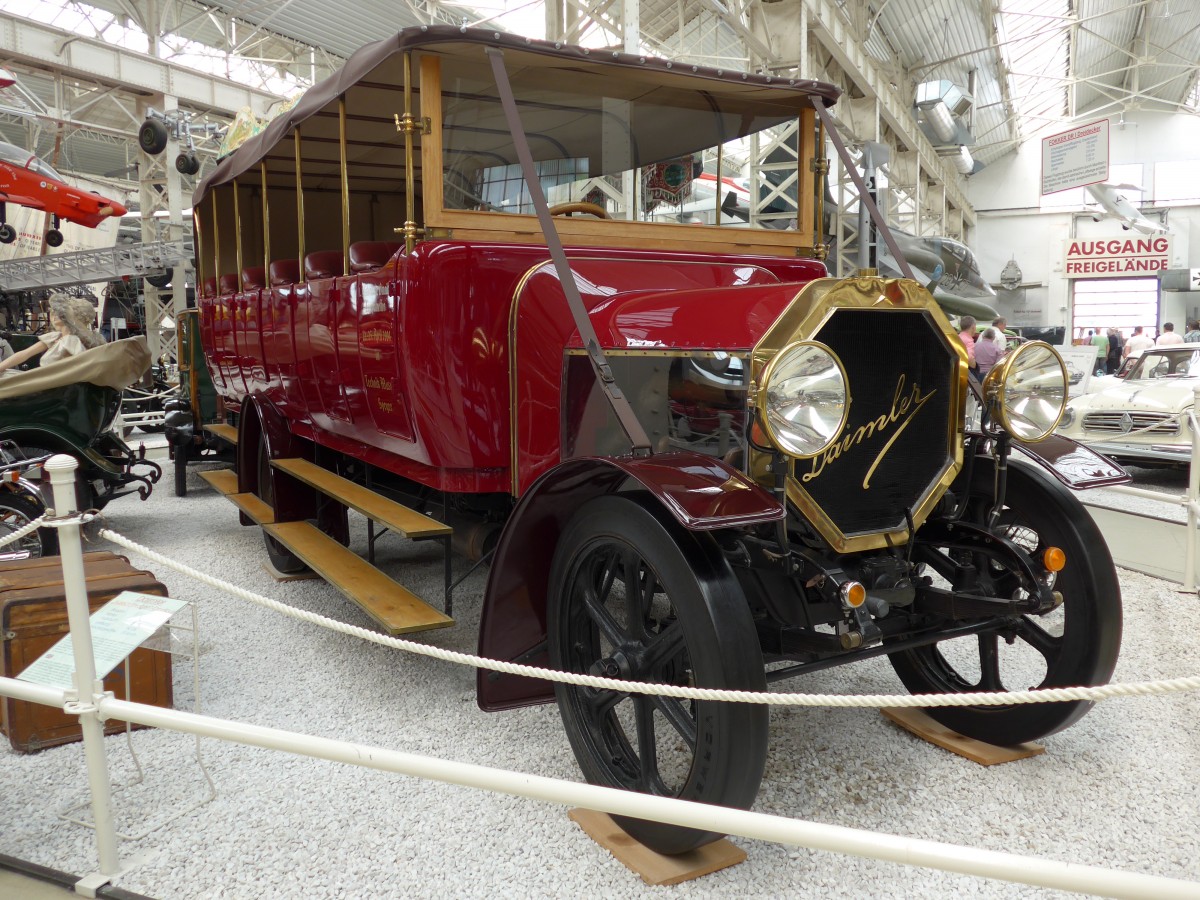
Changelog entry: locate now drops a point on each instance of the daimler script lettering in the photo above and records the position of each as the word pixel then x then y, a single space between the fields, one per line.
pixel 905 406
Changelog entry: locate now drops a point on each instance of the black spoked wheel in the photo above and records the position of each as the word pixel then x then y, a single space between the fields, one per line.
pixel 1074 645
pixel 17 511
pixel 281 557
pixel 182 451
pixel 632 599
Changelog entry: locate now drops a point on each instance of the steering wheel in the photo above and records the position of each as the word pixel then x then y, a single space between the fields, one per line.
pixel 592 209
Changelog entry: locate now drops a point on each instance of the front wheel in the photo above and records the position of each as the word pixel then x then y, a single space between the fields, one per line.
pixel 281 557
pixel 633 598
pixel 17 511
pixel 1075 644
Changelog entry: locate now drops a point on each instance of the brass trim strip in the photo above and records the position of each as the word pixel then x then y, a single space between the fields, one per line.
pixel 299 209
pixel 266 223
pixel 237 233
pixel 345 186
pixel 216 243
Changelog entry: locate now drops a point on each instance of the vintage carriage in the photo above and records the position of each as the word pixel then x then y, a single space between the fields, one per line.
pixel 689 456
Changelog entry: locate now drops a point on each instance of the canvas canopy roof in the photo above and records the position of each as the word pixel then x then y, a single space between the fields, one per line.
pixel 372 83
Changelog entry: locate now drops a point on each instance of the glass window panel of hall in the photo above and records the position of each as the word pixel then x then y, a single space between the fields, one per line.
pixel 638 149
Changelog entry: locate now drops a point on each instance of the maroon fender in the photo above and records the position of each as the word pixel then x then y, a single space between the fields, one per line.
pixel 701 492
pixel 1076 466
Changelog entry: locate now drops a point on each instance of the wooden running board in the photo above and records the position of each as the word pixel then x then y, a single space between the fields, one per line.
pixel 224 480
pixel 395 516
pixel 389 603
pixel 225 432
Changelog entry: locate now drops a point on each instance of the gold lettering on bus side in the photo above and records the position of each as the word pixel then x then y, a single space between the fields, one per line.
pixel 905 406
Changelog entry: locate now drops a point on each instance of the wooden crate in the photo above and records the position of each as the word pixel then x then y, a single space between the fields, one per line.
pixel 33 617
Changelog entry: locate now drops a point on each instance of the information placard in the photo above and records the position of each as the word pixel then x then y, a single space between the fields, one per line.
pixel 1075 158
pixel 118 628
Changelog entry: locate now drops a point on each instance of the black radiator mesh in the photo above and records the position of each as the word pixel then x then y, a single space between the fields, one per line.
pixel 899 370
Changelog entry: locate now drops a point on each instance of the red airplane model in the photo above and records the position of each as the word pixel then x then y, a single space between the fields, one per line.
pixel 27 181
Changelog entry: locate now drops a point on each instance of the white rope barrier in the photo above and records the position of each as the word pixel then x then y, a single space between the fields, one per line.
pixel 874 701
pixel 23 531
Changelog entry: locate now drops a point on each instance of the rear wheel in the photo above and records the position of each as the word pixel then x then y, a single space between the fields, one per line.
pixel 281 557
pixel 17 511
pixel 633 599
pixel 1072 645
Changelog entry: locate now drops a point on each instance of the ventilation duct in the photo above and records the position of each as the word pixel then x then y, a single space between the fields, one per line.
pixel 959 157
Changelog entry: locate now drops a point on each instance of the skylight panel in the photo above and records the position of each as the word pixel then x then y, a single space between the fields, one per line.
pixel 1035 46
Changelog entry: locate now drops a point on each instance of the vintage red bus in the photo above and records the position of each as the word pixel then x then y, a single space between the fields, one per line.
pixel 468 276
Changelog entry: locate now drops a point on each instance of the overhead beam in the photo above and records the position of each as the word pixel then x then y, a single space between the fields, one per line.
pixel 838 39
pixel 32 43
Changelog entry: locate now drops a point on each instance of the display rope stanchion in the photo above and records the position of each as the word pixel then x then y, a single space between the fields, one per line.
pixel 876 701
pixel 89 690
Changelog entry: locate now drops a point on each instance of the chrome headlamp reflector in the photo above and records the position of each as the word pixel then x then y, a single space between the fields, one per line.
pixel 803 399
pixel 1028 391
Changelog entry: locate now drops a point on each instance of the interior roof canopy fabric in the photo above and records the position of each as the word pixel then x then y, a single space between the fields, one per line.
pixel 520 51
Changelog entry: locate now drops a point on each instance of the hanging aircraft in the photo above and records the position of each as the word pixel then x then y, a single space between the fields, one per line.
pixel 27 181
pixel 1114 205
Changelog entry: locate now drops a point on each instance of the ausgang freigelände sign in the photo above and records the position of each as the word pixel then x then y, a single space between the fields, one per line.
pixel 1123 257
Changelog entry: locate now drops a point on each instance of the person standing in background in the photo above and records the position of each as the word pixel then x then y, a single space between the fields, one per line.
pixel 1001 325
pixel 1137 343
pixel 1168 338
pixel 1113 361
pixel 1193 332
pixel 988 350
pixel 966 333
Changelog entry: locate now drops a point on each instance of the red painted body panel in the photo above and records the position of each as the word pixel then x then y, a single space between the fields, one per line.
pixel 407 367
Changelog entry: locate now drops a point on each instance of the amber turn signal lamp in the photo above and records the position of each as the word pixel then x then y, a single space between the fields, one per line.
pixel 853 594
pixel 1054 559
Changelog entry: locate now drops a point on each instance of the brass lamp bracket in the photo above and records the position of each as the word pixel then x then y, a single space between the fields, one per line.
pixel 819 165
pixel 407 123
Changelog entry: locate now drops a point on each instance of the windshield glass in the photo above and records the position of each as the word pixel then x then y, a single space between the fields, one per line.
pixel 630 150
pixel 10 153
pixel 1166 364
pixel 36 165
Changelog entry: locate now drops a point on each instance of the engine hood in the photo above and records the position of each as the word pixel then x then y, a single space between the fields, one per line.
pixel 722 318
pixel 1166 396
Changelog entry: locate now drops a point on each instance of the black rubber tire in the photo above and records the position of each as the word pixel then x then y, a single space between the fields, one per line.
pixel 160 281
pixel 54 237
pixel 181 469
pixel 1078 643
pixel 281 558
pixel 187 164
pixel 152 137
pixel 17 511
pixel 700 602
pixel 8 234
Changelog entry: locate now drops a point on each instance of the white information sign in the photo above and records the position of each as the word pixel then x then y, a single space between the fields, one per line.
pixel 1081 363
pixel 1075 158
pixel 118 628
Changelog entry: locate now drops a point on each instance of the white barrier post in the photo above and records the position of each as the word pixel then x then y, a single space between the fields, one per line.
pixel 88 688
pixel 1193 497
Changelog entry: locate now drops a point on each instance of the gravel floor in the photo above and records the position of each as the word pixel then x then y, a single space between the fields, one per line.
pixel 1117 789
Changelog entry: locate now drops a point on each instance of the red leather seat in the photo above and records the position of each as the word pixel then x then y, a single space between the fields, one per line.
pixel 209 288
pixel 366 256
pixel 284 271
pixel 323 264
pixel 253 278
pixel 228 284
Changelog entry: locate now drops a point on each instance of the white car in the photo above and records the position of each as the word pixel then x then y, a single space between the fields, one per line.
pixel 1141 419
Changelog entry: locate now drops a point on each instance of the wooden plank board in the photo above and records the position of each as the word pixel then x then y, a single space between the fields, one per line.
pixel 654 868
pixel 395 516
pixel 224 432
pixel 224 480
pixel 256 509
pixel 389 603
pixel 919 723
